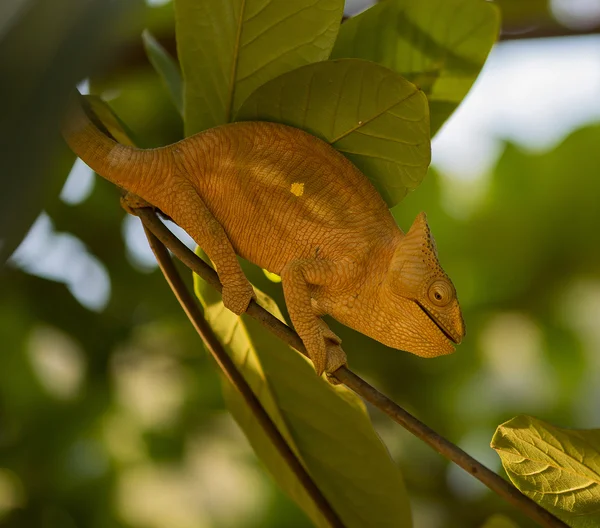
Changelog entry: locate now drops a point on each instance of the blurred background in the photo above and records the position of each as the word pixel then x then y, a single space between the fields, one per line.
pixel 111 412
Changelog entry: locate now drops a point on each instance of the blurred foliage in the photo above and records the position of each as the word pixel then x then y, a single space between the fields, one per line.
pixel 77 38
pixel 499 521
pixel 116 419
pixel 518 15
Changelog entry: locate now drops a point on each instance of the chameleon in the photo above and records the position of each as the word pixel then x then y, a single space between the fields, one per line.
pixel 292 204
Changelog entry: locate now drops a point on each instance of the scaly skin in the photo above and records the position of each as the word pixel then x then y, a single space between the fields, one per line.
pixel 292 204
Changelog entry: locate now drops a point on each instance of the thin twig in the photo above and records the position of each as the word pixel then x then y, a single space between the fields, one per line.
pixel 131 55
pixel 544 30
pixel 226 364
pixel 358 385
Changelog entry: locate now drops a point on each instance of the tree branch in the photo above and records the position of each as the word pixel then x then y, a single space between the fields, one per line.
pixel 452 452
pixel 132 54
pixel 543 31
pixel 226 364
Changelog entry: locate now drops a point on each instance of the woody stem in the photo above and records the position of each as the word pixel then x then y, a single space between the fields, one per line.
pixel 446 448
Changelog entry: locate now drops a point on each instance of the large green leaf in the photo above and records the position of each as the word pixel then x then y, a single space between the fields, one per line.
pixel 558 468
pixel 44 51
pixel 376 118
pixel 326 426
pixel 440 46
pixel 228 48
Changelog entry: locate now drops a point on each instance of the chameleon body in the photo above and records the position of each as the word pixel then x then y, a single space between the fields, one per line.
pixel 290 203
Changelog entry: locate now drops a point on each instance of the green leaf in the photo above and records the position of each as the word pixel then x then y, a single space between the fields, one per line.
pixel 44 51
pixel 228 48
pixel 166 67
pixel 326 426
pixel 104 115
pixel 371 114
pixel 440 46
pixel 558 468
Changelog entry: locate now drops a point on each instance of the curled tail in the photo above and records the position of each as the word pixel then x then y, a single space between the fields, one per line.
pixel 135 170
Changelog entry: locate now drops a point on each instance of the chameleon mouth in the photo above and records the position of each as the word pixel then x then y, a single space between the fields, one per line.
pixel 446 333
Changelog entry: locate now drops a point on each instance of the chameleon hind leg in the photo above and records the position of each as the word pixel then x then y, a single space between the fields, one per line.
pixel 191 213
pixel 297 278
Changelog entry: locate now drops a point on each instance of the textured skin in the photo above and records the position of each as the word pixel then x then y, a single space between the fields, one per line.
pixel 293 205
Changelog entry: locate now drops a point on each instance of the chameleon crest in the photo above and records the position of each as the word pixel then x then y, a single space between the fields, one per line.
pixel 417 275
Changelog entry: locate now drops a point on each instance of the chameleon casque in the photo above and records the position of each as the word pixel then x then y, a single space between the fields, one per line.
pixel 292 204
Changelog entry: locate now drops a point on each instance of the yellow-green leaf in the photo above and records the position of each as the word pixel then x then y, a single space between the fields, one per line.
pixel 558 468
pixel 166 67
pixel 228 48
pixel 111 121
pixel 326 426
pixel 371 114
pixel 440 46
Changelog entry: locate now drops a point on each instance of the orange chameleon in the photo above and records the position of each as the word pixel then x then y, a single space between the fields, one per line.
pixel 292 204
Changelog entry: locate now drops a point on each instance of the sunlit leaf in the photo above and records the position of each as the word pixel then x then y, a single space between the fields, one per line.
pixel 166 67
pixel 558 468
pixel 327 427
pixel 228 48
pixel 376 118
pixel 440 46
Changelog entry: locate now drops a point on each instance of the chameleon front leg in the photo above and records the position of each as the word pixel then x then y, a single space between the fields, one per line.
pixel 297 277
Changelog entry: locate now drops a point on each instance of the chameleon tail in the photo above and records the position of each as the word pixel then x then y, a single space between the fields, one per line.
pixel 126 166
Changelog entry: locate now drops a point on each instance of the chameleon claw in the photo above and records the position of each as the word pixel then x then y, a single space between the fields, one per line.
pixel 336 358
pixel 327 333
pixel 328 356
pixel 320 361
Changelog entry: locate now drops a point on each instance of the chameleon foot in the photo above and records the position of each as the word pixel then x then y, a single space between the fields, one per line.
pixel 336 358
pixel 130 202
pixel 324 350
pixel 237 297
pixel 327 333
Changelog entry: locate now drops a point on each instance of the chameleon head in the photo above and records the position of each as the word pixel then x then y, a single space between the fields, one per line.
pixel 426 318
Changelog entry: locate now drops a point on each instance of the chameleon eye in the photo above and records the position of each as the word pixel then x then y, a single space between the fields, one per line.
pixel 440 292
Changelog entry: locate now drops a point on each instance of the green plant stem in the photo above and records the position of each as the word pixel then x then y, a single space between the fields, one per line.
pixel 446 448
pixel 226 364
